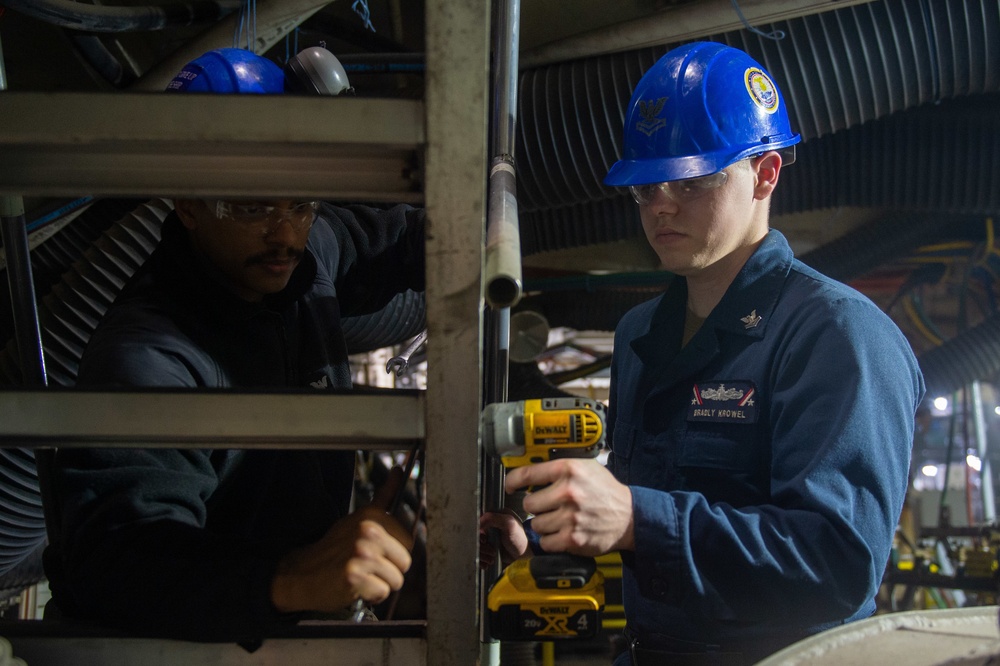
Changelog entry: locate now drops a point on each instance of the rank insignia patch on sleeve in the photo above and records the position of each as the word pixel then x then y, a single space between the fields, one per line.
pixel 723 402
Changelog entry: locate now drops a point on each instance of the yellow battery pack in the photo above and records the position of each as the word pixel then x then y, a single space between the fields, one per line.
pixel 547 597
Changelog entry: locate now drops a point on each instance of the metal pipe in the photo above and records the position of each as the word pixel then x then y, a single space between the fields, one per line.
pixel 503 240
pixel 985 471
pixel 502 277
pixel 503 237
pixel 274 20
pixel 506 44
pixel 96 18
pixel 674 25
pixel 3 69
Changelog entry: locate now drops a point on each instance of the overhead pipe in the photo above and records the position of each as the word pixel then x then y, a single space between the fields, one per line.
pixel 273 19
pixel 677 24
pixel 102 60
pixel 99 18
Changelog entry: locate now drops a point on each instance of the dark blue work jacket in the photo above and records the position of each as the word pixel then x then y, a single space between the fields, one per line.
pixel 183 543
pixel 768 458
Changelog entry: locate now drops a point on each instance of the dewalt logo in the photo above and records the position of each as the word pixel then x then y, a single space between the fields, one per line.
pixel 554 610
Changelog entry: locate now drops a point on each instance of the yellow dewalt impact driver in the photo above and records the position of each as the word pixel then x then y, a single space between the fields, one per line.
pixel 550 596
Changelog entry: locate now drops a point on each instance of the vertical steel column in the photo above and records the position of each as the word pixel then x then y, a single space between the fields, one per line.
pixel 456 98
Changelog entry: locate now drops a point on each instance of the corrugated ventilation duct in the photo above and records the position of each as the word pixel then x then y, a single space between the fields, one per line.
pixel 838 70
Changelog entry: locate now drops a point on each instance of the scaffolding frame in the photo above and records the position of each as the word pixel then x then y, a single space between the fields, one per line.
pixel 65 144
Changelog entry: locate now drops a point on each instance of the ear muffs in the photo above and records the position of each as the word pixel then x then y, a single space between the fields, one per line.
pixel 316 71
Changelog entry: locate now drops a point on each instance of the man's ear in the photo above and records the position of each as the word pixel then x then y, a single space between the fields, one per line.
pixel 185 209
pixel 767 167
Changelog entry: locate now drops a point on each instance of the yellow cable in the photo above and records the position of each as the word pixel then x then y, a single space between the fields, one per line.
pixel 919 323
pixel 942 247
pixel 934 260
pixel 548 653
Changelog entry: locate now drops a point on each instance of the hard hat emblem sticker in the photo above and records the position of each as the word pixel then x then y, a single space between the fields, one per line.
pixel 649 112
pixel 762 90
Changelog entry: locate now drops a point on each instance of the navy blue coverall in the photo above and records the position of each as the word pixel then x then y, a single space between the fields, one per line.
pixel 767 459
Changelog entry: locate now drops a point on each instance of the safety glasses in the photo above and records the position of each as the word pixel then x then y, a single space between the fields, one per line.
pixel 679 191
pixel 265 219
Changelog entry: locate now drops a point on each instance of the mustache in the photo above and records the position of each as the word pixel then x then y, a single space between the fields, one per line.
pixel 287 254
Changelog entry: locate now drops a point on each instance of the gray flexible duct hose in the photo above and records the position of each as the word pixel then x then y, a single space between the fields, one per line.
pixel 942 157
pixel 894 236
pixel 837 70
pixel 22 520
pixel 969 356
pixel 97 18
pixel 955 143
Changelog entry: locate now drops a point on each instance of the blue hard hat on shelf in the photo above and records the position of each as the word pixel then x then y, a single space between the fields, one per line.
pixel 312 71
pixel 700 108
pixel 230 71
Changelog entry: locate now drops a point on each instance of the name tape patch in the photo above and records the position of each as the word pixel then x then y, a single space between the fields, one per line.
pixel 723 402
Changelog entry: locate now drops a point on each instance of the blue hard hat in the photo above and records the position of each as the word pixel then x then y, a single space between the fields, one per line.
pixel 230 71
pixel 700 108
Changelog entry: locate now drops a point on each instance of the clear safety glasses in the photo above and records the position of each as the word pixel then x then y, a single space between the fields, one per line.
pixel 679 191
pixel 265 219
